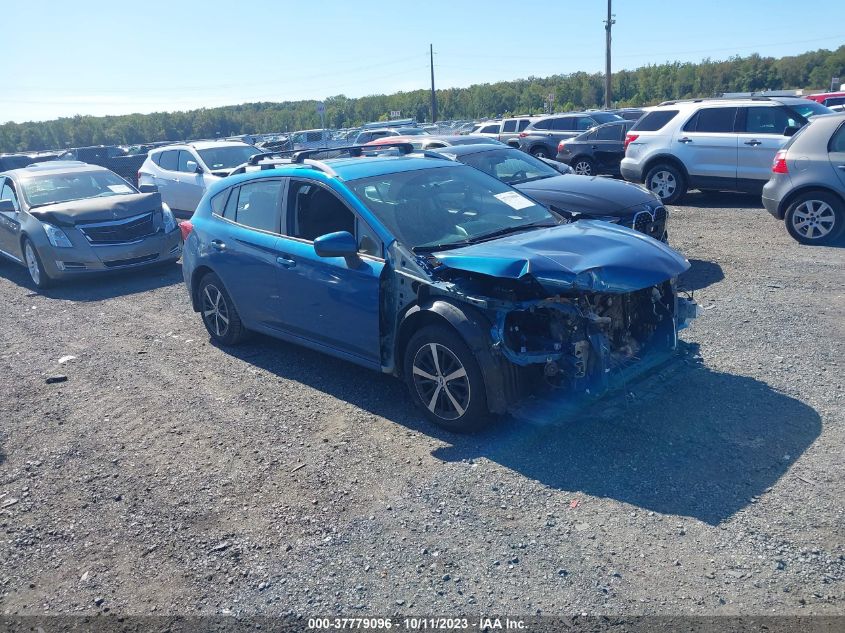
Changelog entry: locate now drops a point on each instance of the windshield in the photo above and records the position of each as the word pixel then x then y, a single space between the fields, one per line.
pixel 509 165
pixel 54 188
pixel 811 108
pixel 605 117
pixel 227 157
pixel 411 131
pixel 448 206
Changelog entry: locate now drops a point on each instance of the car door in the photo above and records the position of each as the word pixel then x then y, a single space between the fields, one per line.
pixel 10 221
pixel 564 128
pixel 836 153
pixel 607 145
pixel 760 137
pixel 191 184
pixel 167 179
pixel 707 145
pixel 243 248
pixel 328 300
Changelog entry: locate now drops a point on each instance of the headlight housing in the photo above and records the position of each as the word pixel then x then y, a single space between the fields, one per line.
pixel 168 221
pixel 57 237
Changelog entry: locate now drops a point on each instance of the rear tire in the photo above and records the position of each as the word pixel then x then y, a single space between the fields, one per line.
pixel 667 182
pixel 218 312
pixel 815 217
pixel 583 166
pixel 445 380
pixel 32 260
pixel 539 151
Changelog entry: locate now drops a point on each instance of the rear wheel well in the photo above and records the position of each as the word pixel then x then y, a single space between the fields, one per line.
pixel 667 159
pixel 789 199
pixel 198 274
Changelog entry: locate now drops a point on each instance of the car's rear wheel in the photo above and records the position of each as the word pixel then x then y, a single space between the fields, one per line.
pixel 538 151
pixel 218 312
pixel 815 217
pixel 583 166
pixel 33 263
pixel 667 182
pixel 445 380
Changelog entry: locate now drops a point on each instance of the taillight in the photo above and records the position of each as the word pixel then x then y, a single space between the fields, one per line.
pixel 630 138
pixel 138 177
pixel 779 163
pixel 523 134
pixel 186 227
pixel 560 147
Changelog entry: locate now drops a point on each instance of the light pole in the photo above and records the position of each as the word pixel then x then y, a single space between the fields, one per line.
pixel 607 26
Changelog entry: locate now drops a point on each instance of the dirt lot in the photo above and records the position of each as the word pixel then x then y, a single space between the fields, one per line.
pixel 167 475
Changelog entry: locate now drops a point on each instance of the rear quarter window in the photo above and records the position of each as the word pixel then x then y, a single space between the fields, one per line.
pixel 654 121
pixel 837 141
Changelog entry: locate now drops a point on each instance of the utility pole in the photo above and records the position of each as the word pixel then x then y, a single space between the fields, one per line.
pixel 607 25
pixel 433 94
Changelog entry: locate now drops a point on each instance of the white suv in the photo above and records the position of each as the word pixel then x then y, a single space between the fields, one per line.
pixel 712 144
pixel 182 173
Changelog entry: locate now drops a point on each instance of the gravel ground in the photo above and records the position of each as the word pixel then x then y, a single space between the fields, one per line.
pixel 169 476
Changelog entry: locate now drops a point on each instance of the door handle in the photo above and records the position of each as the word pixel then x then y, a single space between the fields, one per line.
pixel 218 245
pixel 842 167
pixel 685 140
pixel 754 142
pixel 284 262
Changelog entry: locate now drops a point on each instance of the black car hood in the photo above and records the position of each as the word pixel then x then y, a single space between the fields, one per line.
pixel 588 194
pixel 98 209
pixel 585 255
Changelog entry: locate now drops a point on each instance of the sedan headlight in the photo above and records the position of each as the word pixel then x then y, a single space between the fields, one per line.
pixel 168 221
pixel 57 237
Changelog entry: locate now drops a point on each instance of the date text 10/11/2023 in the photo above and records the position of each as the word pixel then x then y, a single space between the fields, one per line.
pixel 418 624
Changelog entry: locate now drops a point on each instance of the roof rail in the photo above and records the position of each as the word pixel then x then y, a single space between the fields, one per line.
pixel 352 150
pixel 702 99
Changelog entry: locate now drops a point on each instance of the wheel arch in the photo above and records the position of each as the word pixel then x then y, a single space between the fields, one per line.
pixel 198 273
pixel 796 193
pixel 665 158
pixel 472 326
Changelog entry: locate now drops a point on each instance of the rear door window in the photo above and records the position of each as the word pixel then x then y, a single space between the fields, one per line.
pixel 545 124
pixel 585 123
pixel 259 206
pixel 712 120
pixel 169 160
pixel 566 124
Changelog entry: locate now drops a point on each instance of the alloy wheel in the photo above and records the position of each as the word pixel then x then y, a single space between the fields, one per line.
pixel 813 219
pixel 583 168
pixel 215 311
pixel 441 381
pixel 663 184
pixel 32 263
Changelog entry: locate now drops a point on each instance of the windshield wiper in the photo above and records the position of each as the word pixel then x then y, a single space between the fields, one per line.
pixel 524 180
pixel 510 229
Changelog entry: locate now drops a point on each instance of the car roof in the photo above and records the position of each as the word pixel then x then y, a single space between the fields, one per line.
pixel 198 145
pixel 54 167
pixel 475 148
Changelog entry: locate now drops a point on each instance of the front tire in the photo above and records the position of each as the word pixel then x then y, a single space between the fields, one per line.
pixel 218 312
pixel 815 217
pixel 667 182
pixel 445 380
pixel 538 151
pixel 33 263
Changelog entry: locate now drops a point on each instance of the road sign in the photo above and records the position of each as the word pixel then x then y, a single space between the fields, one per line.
pixel 395 114
pixel 834 83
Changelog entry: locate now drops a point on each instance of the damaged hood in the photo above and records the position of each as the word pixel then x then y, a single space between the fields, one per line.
pixel 591 195
pixel 98 209
pixel 585 255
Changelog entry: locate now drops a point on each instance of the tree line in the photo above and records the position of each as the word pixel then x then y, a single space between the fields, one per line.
pixel 644 86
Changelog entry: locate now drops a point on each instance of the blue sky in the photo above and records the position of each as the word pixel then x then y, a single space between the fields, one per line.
pixel 113 57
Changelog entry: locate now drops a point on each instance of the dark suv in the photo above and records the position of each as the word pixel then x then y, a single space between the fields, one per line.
pixel 541 138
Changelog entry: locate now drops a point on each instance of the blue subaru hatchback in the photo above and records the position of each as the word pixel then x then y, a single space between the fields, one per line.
pixel 432 271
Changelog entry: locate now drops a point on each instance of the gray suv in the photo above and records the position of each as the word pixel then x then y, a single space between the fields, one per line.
pixel 807 186
pixel 711 144
pixel 541 138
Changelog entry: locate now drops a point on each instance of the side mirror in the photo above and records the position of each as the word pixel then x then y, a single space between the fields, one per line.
pixel 148 188
pixel 339 244
pixel 790 130
pixel 191 166
pixel 7 206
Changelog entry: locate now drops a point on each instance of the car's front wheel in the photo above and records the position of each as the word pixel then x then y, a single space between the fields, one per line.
pixel 815 217
pixel 539 151
pixel 33 263
pixel 445 380
pixel 667 182
pixel 218 312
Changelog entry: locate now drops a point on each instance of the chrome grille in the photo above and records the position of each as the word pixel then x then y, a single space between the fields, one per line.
pixel 121 231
